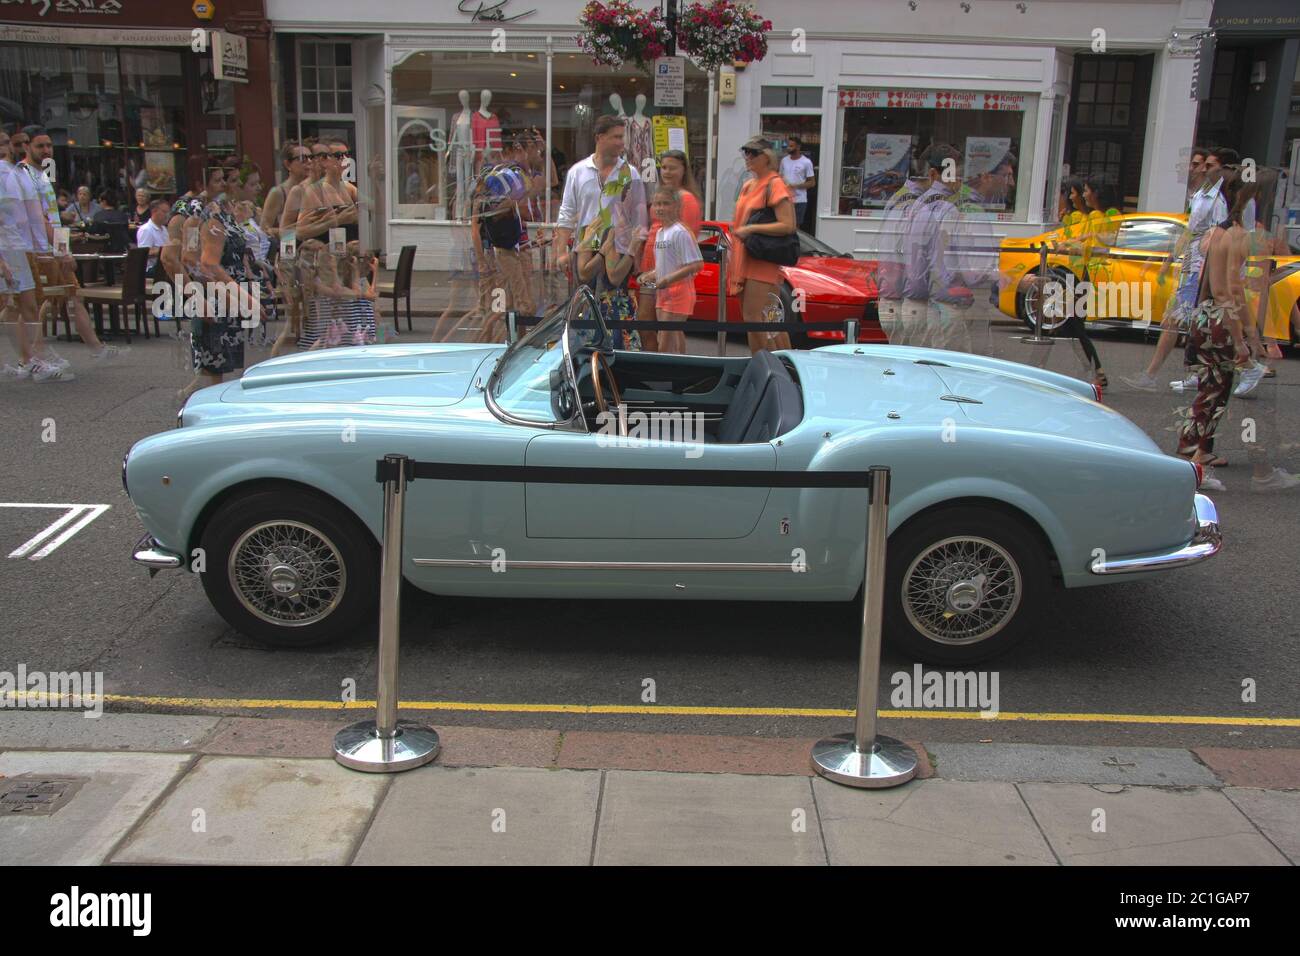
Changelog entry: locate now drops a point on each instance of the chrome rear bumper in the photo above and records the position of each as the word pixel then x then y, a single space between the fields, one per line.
pixel 1205 543
pixel 154 558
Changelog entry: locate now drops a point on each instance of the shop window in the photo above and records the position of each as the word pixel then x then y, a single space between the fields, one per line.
pixel 800 97
pixel 441 141
pixel 326 77
pixel 884 132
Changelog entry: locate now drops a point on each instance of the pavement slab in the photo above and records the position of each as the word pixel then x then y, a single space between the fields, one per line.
pixel 1276 813
pixel 502 815
pixel 685 819
pixel 1147 766
pixel 47 730
pixel 259 810
pixel 1146 826
pixel 120 788
pixel 1268 768
pixel 928 823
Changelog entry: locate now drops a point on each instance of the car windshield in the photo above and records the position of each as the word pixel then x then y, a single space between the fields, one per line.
pixel 531 382
pixel 812 246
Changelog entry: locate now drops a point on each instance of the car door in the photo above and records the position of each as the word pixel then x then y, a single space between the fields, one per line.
pixel 1140 249
pixel 643 513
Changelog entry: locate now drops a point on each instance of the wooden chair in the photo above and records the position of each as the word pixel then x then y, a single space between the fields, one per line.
pixel 131 294
pixel 400 287
pixel 51 290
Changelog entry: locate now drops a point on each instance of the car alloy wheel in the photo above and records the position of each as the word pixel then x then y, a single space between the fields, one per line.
pixel 287 573
pixel 961 590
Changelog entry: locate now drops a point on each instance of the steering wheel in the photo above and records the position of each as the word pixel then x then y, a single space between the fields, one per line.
pixel 599 362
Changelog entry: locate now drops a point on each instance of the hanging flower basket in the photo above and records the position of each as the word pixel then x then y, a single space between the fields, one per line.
pixel 615 33
pixel 720 32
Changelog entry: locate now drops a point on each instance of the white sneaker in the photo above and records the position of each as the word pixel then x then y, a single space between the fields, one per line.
pixel 52 357
pixel 1189 384
pixel 1250 380
pixel 109 352
pixel 1210 483
pixel 21 371
pixel 1277 480
pixel 1142 382
pixel 45 372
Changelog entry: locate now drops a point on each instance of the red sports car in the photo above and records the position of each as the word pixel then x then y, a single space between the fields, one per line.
pixel 834 287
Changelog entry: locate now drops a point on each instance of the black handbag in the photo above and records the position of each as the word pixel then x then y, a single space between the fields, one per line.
pixel 782 250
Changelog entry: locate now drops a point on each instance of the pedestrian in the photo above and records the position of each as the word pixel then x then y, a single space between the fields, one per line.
pixel 674 172
pixel 676 260
pixel 82 210
pixel 296 160
pixel 152 234
pixel 141 210
pixel 798 173
pixel 754 279
pixel 1216 332
pixel 591 186
pixel 22 230
pixel 1093 224
pixel 1206 209
pixel 890 268
pixel 924 242
pixel 112 221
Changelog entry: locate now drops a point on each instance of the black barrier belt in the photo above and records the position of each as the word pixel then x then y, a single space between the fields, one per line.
pixel 386 470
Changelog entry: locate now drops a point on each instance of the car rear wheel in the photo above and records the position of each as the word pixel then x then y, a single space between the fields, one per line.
pixel 290 569
pixel 1029 299
pixel 963 584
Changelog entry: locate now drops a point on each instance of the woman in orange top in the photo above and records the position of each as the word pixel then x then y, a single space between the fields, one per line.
pixel 756 280
pixel 676 173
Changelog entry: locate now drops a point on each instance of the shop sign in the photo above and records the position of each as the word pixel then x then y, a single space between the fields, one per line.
pixel 204 9
pixel 229 57
pixel 89 36
pixel 670 81
pixel 490 12
pixel 932 100
pixel 109 8
pixel 669 132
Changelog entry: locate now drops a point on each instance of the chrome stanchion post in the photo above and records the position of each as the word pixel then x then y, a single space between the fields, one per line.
pixel 864 758
pixel 851 331
pixel 386 744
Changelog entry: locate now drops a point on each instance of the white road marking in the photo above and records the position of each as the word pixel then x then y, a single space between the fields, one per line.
pixel 78 515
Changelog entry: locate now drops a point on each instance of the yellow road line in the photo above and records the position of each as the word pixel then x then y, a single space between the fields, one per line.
pixel 237 703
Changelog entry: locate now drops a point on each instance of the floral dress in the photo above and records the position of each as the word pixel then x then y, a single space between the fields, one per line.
pixel 218 343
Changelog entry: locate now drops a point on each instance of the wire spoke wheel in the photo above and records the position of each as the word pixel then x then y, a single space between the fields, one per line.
pixel 287 573
pixel 961 590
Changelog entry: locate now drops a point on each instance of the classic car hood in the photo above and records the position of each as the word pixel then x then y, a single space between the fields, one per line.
pixel 825 284
pixel 859 274
pixel 426 375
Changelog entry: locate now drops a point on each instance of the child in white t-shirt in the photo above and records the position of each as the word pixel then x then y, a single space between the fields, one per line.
pixel 677 259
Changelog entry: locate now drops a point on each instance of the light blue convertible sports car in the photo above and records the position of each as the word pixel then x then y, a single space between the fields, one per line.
pixel 1006 481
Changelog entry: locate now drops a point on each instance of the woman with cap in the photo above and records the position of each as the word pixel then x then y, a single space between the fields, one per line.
pixel 756 280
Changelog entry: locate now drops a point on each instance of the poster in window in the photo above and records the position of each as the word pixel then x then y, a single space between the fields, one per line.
pixel 160 172
pixel 885 168
pixel 983 154
pixel 153 128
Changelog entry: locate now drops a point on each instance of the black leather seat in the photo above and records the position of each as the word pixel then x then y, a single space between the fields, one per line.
pixel 779 411
pixel 760 371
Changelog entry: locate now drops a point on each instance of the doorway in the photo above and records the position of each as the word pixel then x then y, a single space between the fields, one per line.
pixel 808 127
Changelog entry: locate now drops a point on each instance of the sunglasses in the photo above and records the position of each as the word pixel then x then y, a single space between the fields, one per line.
pixel 340 154
pixel 751 152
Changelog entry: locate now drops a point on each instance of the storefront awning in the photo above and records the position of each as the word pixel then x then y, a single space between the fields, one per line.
pixel 93 36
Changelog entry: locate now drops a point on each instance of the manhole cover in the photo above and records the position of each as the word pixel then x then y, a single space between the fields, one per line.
pixel 37 795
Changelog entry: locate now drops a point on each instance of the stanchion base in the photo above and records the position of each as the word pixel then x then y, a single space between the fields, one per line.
pixel 888 763
pixel 360 747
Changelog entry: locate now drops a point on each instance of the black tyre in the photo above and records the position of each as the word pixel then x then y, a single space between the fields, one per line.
pixel 290 568
pixel 963 584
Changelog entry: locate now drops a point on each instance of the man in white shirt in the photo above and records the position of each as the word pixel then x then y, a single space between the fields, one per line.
pixel 797 171
pixel 152 233
pixel 593 186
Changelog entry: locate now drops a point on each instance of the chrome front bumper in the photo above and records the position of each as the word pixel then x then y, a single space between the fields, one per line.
pixel 1205 543
pixel 154 558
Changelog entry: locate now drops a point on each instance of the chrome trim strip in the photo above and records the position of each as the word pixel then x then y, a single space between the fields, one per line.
pixel 486 563
pixel 1205 543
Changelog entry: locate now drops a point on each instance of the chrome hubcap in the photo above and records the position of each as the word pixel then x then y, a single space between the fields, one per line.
pixel 961 590
pixel 287 573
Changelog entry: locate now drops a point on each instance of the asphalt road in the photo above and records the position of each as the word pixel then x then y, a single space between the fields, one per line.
pixel 1179 645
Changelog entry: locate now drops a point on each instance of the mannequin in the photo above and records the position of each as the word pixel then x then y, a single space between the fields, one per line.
pixel 461 150
pixel 616 103
pixel 486 128
pixel 640 139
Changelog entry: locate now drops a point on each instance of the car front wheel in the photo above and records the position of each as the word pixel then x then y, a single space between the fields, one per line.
pixel 290 569
pixel 963 585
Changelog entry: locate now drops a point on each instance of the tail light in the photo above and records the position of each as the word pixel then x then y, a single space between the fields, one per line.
pixel 1200 473
pixel 1096 393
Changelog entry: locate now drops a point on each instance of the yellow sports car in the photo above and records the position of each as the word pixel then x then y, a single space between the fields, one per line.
pixel 1111 273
